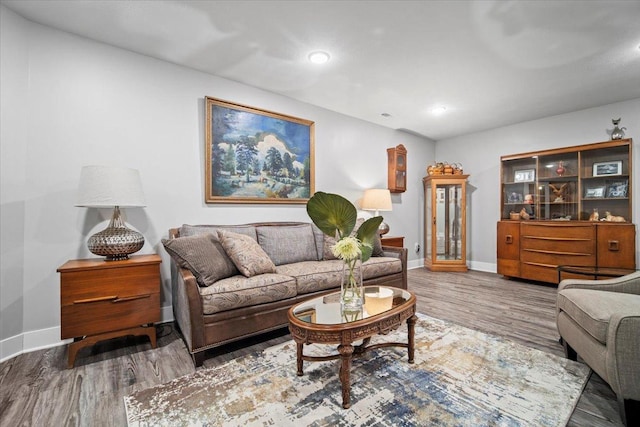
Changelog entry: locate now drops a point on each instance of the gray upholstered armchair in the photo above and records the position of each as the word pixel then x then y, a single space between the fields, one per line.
pixel 600 321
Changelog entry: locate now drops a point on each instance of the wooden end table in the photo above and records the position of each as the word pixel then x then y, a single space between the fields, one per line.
pixel 100 300
pixel 321 320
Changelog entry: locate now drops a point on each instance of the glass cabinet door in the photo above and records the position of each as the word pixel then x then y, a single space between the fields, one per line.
pixel 428 214
pixel 445 223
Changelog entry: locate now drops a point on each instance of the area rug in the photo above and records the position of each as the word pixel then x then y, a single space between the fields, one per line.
pixel 461 377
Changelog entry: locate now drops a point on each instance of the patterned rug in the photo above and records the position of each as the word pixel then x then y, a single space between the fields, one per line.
pixel 461 377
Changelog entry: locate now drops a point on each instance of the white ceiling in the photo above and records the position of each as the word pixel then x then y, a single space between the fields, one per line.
pixel 491 63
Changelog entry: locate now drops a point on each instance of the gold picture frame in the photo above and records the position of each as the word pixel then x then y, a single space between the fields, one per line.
pixel 257 156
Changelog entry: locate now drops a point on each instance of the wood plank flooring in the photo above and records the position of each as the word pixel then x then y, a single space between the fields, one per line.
pixel 36 389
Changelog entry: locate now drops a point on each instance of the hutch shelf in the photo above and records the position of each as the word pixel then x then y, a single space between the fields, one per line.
pixel 566 206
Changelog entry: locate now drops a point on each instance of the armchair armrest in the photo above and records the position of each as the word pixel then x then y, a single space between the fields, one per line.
pixel 629 284
pixel 623 356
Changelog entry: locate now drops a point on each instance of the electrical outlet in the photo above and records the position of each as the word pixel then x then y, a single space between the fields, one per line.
pixel 417 247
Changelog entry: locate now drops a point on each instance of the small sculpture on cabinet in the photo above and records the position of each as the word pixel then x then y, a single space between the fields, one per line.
pixel 559 192
pixel 594 215
pixel 613 218
pixel 617 132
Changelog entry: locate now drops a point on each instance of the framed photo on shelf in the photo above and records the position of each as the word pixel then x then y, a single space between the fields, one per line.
pixel 607 168
pixel 595 192
pixel 514 198
pixel 617 189
pixel 524 175
pixel 256 156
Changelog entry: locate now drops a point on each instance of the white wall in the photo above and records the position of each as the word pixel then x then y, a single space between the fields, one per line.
pixel 75 102
pixel 480 155
pixel 13 164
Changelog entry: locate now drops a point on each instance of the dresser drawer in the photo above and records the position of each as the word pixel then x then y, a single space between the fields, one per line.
pixel 118 282
pixel 95 317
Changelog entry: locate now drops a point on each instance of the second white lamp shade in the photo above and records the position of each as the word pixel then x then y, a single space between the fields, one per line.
pixel 377 199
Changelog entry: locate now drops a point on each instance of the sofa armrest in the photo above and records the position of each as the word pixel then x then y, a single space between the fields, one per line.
pixel 629 284
pixel 401 254
pixel 187 306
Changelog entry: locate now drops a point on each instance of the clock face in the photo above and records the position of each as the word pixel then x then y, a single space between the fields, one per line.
pixel 400 160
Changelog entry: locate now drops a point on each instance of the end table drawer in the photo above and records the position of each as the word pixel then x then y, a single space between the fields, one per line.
pixel 83 285
pixel 90 317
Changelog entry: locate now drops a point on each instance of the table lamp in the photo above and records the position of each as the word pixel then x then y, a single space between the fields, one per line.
pixel 113 187
pixel 377 199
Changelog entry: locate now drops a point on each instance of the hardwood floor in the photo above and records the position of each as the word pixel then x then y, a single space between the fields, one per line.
pixel 36 389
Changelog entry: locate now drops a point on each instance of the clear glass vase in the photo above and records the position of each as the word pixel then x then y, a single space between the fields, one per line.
pixel 352 294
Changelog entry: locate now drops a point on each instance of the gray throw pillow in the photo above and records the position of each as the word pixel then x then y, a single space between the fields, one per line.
pixel 203 255
pixel 288 244
pixel 246 254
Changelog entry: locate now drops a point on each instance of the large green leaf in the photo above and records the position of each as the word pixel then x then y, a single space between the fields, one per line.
pixel 331 213
pixel 367 234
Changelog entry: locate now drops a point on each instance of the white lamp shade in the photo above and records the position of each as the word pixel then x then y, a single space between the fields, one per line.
pixel 376 199
pixel 109 186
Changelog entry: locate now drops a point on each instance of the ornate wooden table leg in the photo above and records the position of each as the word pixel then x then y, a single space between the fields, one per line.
pixel 299 346
pixel 346 351
pixel 411 323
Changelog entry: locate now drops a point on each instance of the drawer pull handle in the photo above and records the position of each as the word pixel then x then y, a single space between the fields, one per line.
pixel 614 245
pixel 509 239
pixel 130 298
pixel 98 299
pixel 112 298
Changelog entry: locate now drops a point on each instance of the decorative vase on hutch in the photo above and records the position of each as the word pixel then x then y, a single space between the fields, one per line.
pixel 352 294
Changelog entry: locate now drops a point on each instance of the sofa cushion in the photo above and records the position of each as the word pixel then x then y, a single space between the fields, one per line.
pixel 240 291
pixel 191 230
pixel 203 255
pixel 288 244
pixel 312 276
pixel 330 241
pixel 592 309
pixel 246 254
pixel 380 266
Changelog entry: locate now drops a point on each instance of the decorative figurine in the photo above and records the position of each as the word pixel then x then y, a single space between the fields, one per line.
pixel 561 169
pixel 613 218
pixel 559 192
pixel 594 215
pixel 617 133
pixel 524 214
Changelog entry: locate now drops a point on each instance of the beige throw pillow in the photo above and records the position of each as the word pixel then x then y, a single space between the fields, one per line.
pixel 246 254
pixel 203 255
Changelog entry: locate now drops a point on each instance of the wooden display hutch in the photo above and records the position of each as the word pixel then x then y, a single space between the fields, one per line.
pixel 552 206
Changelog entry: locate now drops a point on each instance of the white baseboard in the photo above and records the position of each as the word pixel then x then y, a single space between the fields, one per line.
pixel 416 263
pixel 10 347
pixel 49 337
pixel 483 266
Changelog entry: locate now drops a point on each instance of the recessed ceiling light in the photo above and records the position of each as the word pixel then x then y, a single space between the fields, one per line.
pixel 438 110
pixel 319 57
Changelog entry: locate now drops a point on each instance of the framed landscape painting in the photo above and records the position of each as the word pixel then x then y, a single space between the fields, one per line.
pixel 256 156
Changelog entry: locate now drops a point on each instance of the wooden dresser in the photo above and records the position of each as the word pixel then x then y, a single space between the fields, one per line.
pixel 105 299
pixel 534 250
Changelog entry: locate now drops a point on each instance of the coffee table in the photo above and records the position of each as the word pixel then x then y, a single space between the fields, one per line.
pixel 321 321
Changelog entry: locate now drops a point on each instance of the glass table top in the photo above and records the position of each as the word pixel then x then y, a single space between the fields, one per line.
pixel 326 309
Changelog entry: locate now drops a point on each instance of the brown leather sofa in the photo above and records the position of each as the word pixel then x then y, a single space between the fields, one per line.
pixel 204 327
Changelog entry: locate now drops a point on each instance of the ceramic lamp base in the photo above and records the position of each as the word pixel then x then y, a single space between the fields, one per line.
pixel 116 241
